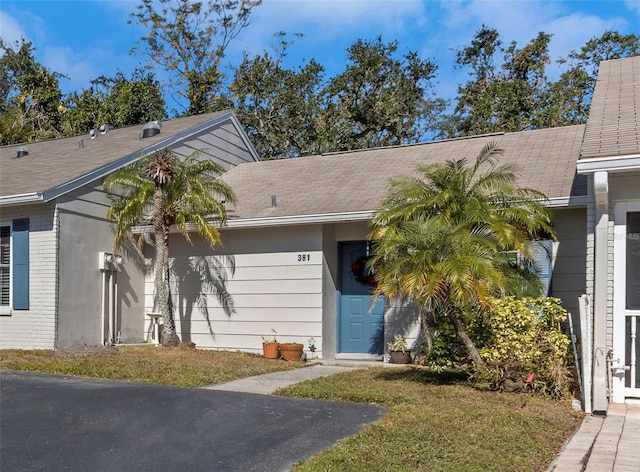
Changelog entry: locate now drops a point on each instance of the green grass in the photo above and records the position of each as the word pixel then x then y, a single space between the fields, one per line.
pixel 436 422
pixel 182 367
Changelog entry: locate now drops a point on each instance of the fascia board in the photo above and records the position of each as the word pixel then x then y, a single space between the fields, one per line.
pixel 21 199
pixel 344 217
pixel 244 137
pixel 573 202
pixel 609 164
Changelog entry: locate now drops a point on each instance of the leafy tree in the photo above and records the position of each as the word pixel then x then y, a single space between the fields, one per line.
pixel 569 98
pixel 115 101
pixel 31 107
pixel 379 100
pixel 515 94
pixel 500 98
pixel 278 106
pixel 442 239
pixel 180 192
pixel 189 39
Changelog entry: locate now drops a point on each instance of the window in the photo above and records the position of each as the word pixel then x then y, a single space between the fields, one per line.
pixel 14 266
pixel 540 263
pixel 5 267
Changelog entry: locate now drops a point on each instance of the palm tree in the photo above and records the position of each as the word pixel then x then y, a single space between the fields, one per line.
pixel 163 190
pixel 442 239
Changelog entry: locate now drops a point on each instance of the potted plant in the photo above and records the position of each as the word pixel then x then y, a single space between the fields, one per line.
pixel 398 350
pixel 270 346
pixel 291 351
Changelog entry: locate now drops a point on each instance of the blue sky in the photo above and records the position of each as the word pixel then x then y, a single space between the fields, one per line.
pixel 86 39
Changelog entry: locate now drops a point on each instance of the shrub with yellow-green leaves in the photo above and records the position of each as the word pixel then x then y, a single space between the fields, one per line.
pixel 522 336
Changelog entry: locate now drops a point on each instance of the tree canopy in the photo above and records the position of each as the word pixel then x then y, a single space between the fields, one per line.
pixel 279 106
pixel 516 94
pixel 379 99
pixel 189 40
pixel 116 101
pixel 31 104
pixel 383 95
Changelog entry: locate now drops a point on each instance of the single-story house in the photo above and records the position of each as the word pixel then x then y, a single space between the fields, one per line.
pixel 295 232
pixel 57 287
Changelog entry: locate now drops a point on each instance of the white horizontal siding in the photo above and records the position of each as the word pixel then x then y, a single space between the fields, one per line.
pixel 281 290
pixel 35 328
pixel 260 314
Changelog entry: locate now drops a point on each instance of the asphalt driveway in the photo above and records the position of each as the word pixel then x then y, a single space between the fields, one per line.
pixel 54 423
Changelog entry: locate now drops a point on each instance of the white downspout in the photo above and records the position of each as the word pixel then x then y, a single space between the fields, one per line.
pixel 111 307
pixel 585 339
pixel 601 259
pixel 116 327
pixel 103 338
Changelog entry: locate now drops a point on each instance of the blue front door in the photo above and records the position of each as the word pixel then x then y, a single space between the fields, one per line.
pixel 361 317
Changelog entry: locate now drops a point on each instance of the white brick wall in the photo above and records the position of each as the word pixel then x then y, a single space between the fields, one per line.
pixel 35 328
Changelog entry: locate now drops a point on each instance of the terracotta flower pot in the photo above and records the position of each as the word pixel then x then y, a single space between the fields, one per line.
pixel 400 357
pixel 291 351
pixel 271 350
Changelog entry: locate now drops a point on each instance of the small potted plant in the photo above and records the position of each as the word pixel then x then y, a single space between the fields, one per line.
pixel 291 351
pixel 398 350
pixel 271 346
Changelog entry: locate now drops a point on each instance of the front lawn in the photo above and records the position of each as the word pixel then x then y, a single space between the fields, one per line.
pixel 181 367
pixel 437 422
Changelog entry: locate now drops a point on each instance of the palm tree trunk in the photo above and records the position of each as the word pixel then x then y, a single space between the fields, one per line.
pixel 161 282
pixel 464 337
pixel 424 319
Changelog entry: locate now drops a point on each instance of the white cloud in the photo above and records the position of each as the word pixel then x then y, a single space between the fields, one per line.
pixel 340 16
pixel 74 65
pixel 324 21
pixel 583 27
pixel 10 28
pixel 634 6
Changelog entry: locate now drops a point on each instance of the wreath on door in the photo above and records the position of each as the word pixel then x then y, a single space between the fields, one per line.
pixel 361 273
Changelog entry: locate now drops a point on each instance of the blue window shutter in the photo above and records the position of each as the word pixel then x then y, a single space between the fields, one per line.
pixel 20 269
pixel 542 252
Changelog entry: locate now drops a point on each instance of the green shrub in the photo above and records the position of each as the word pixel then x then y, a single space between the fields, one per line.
pixel 446 350
pixel 520 336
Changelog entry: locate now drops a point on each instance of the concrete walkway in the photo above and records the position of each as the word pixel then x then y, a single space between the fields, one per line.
pixel 610 443
pixel 266 384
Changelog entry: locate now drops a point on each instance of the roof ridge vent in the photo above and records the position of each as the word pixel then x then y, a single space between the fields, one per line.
pixel 151 129
pixel 104 129
pixel 22 151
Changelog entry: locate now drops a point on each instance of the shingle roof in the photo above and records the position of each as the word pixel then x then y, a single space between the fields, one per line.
pixel 613 128
pixel 358 181
pixel 55 162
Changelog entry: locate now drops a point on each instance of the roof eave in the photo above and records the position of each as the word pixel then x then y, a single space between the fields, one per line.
pixel 22 199
pixel 566 202
pixel 610 164
pixel 342 217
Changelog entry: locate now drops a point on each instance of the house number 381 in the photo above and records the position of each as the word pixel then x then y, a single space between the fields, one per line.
pixel 304 257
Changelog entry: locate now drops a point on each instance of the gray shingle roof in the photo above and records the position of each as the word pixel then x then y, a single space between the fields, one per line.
pixel 358 181
pixel 52 163
pixel 613 128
